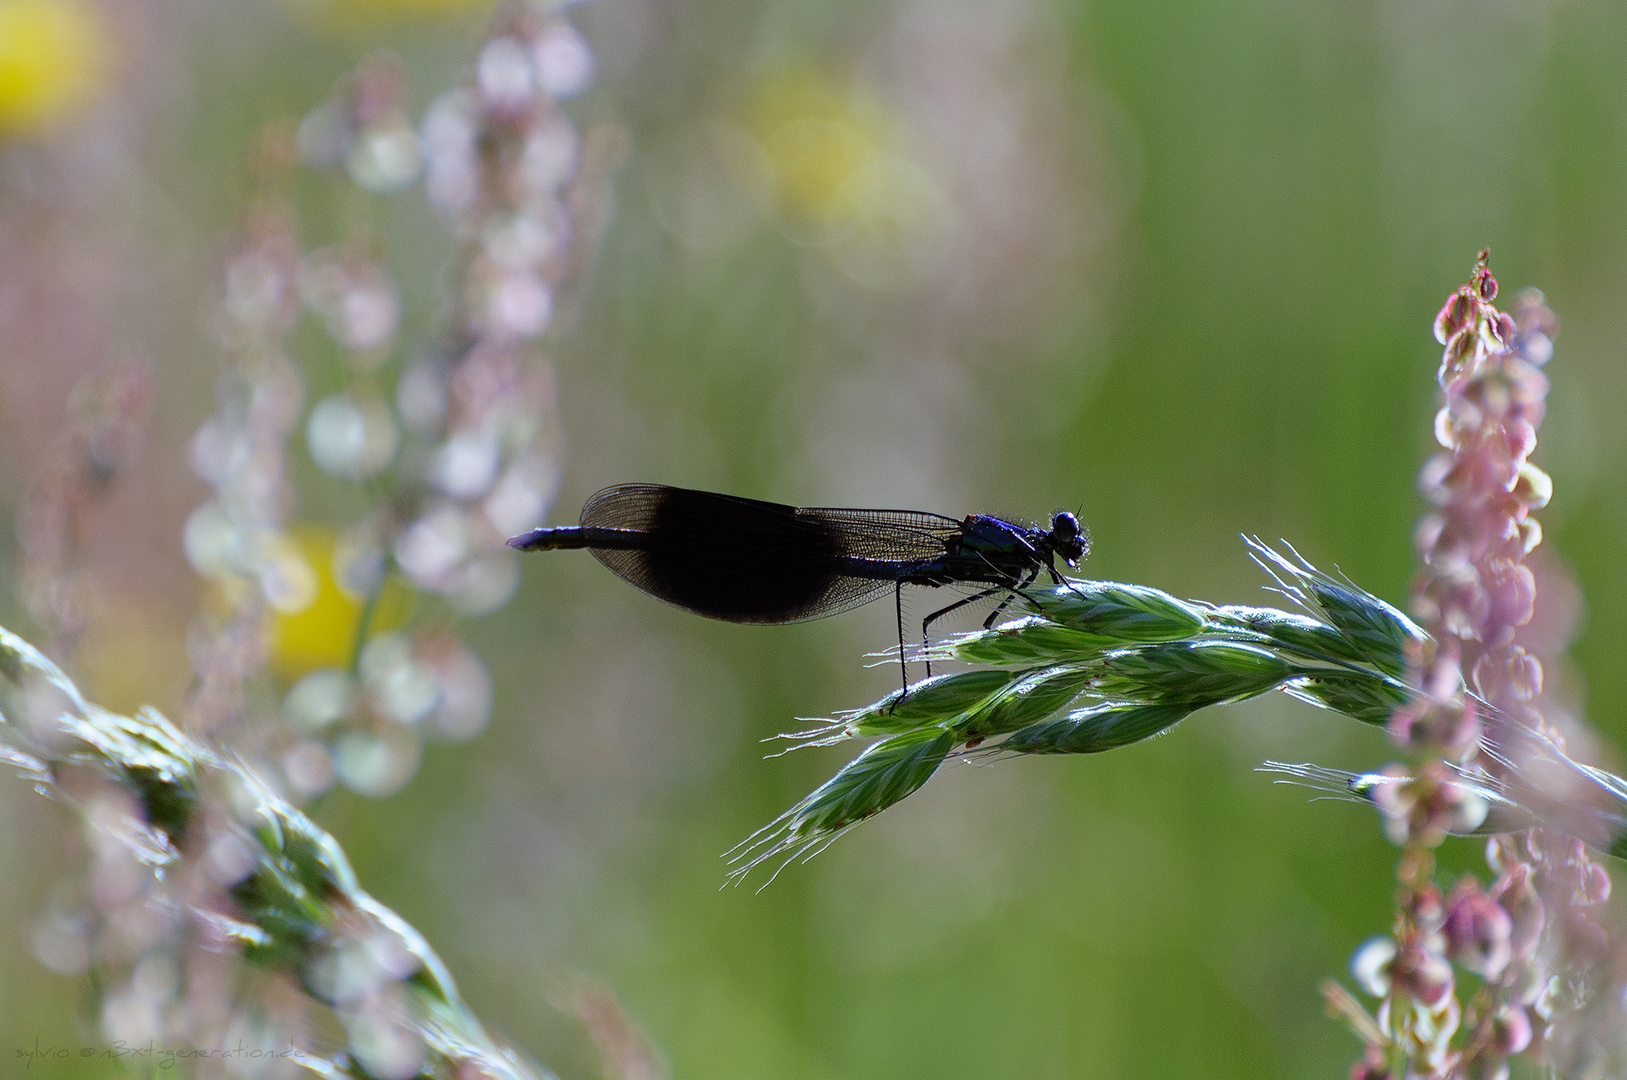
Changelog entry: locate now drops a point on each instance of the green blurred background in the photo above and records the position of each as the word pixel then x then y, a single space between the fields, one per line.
pixel 1171 265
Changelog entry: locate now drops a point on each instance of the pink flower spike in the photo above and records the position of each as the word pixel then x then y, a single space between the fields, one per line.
pixel 1454 315
pixel 1511 1030
pixel 1478 931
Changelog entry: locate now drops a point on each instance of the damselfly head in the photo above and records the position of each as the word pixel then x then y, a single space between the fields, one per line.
pixel 1068 538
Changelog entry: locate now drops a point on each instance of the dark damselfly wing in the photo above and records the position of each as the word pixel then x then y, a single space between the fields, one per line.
pixel 748 561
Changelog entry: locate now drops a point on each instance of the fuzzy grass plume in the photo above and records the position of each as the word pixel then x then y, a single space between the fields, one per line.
pixel 281 942
pixel 1097 665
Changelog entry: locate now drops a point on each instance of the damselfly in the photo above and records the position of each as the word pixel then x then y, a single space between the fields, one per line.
pixel 747 561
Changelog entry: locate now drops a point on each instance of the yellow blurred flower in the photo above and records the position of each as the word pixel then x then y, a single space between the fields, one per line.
pixel 317 628
pixel 813 137
pixel 831 165
pixel 52 57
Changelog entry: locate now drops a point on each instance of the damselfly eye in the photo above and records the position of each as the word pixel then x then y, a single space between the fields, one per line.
pixel 1068 538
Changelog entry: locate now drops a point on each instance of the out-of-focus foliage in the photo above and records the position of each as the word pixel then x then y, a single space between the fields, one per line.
pixel 1171 266
pixel 352 17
